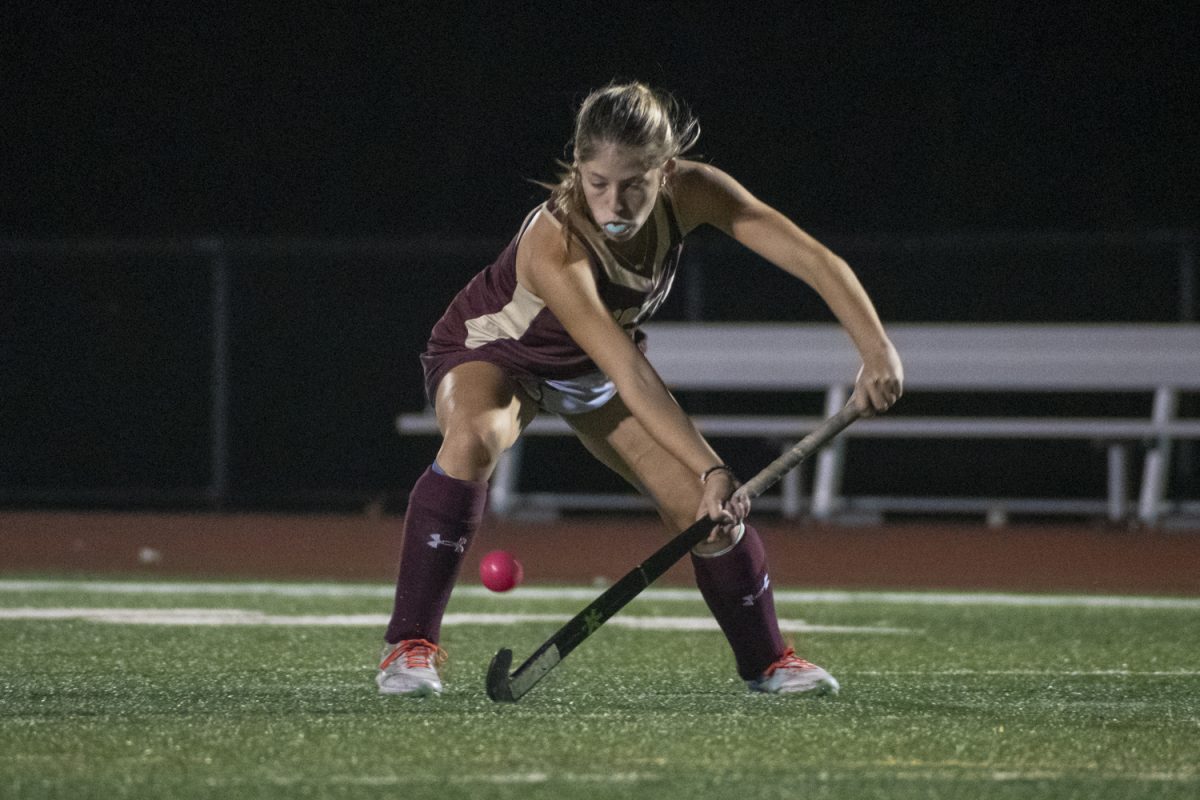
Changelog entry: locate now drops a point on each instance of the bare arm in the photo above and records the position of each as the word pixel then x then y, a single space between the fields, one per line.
pixel 562 277
pixel 708 195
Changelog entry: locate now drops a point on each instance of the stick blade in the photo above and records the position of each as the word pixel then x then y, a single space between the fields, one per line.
pixel 499 683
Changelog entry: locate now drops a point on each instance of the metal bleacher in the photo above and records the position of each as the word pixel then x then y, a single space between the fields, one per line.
pixel 1161 361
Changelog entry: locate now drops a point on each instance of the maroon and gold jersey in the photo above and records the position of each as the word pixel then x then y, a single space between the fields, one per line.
pixel 496 319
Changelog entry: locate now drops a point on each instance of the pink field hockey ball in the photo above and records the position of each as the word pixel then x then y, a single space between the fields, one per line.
pixel 500 572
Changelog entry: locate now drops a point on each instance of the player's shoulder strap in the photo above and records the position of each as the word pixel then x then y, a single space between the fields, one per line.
pixel 533 214
pixel 672 220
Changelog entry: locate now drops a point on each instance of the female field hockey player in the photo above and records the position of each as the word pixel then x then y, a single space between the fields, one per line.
pixel 552 326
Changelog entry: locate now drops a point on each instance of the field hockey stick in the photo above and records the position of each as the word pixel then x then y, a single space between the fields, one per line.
pixel 505 688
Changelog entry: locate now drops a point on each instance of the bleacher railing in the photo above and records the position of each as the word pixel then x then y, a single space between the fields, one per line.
pixel 235 372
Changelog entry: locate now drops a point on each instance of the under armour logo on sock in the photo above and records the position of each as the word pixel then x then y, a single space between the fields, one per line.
pixel 436 541
pixel 749 599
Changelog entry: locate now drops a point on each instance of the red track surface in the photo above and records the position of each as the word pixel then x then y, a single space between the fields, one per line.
pixel 947 556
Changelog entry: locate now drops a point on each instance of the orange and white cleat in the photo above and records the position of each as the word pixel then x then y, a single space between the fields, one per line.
pixel 793 675
pixel 410 668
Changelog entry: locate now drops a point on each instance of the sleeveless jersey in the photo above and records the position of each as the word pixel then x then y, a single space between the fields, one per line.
pixel 496 319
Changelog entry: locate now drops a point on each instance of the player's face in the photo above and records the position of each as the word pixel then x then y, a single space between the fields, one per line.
pixel 619 190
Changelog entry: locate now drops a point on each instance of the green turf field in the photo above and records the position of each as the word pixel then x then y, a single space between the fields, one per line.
pixel 114 690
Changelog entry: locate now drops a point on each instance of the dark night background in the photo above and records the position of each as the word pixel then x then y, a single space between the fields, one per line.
pixel 431 117
pixel 428 122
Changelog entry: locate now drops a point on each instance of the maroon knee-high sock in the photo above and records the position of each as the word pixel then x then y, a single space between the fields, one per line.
pixel 443 514
pixel 737 589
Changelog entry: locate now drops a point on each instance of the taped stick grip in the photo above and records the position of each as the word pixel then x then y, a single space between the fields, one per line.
pixel 804 448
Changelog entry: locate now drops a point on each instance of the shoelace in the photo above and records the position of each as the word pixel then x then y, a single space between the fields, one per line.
pixel 417 653
pixel 789 660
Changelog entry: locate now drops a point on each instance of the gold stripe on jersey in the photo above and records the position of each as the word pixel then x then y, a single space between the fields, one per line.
pixel 510 322
pixel 515 318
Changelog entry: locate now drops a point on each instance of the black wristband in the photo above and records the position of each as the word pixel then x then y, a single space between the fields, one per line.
pixel 715 468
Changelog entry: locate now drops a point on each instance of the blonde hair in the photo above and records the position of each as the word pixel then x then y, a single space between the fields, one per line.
pixel 631 115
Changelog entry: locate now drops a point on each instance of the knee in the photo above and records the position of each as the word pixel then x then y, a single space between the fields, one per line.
pixel 471 447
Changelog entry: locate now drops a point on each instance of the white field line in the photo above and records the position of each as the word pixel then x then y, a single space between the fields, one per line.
pixel 500 779
pixel 959 773
pixel 419 778
pixel 922 771
pixel 237 616
pixel 832 596
pixel 1047 673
